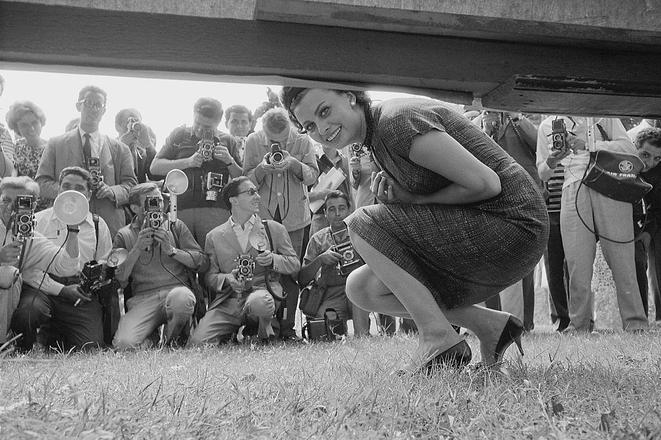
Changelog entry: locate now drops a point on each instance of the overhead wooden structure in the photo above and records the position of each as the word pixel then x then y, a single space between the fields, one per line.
pixel 552 56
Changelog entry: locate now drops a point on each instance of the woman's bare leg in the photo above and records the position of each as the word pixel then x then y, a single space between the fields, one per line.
pixel 365 288
pixel 395 292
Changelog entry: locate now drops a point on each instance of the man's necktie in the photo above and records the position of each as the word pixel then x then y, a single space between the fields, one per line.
pixel 87 150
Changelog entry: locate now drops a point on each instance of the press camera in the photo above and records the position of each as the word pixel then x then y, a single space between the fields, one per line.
pixel 95 276
pixel 94 167
pixel 245 267
pixel 23 224
pixel 350 258
pixel 558 135
pixel 153 212
pixel 358 150
pixel 276 157
pixel 328 328
pixel 214 184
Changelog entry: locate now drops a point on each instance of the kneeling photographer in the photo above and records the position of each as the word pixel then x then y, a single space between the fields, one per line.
pixel 25 256
pixel 247 256
pixel 161 256
pixel 329 259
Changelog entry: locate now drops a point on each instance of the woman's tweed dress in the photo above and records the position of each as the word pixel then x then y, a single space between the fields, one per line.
pixel 463 254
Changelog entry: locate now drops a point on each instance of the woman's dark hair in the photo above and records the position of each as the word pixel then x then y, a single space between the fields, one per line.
pixel 652 135
pixel 232 188
pixel 291 96
pixel 336 194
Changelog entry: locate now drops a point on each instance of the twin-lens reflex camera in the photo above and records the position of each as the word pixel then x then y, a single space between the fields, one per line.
pixel 134 125
pixel 277 156
pixel 558 135
pixel 206 145
pixel 23 222
pixel 245 267
pixel 94 167
pixel 358 150
pixel 350 258
pixel 153 212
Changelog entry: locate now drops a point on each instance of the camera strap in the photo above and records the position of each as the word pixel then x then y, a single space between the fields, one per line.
pixel 268 271
pixel 95 218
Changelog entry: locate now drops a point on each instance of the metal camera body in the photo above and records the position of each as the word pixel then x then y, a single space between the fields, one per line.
pixel 92 277
pixel 245 267
pixel 276 156
pixel 558 135
pixel 134 125
pixel 350 258
pixel 206 145
pixel 23 225
pixel 153 212
pixel 358 150
pixel 94 167
pixel 214 184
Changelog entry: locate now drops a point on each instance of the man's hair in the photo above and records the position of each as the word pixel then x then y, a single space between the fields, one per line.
pixel 21 182
pixel 336 194
pixel 209 108
pixel 19 109
pixel 123 115
pixel 276 121
pixel 291 96
pixel 140 190
pixel 76 171
pixel 85 90
pixel 232 188
pixel 237 108
pixel 652 135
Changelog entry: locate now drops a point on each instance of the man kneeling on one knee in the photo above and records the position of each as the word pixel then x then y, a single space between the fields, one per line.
pixel 160 255
pixel 246 259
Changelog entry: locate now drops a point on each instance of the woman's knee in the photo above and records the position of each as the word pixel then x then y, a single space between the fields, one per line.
pixel 360 286
pixel 180 300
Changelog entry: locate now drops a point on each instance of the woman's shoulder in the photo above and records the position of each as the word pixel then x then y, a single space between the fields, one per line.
pixel 399 112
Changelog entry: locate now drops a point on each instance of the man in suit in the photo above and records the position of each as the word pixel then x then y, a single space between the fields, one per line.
pixel 96 152
pixel 243 242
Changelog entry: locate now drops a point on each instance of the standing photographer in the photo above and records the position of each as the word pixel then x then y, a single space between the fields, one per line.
pixel 140 139
pixel 160 256
pixel 282 164
pixel 245 279
pixel 21 253
pixel 209 158
pixel 74 316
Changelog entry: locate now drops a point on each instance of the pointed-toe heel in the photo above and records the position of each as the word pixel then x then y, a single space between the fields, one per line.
pixel 511 334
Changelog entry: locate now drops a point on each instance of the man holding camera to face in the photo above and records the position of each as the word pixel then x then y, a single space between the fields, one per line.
pixel 160 256
pixel 141 141
pixel 209 158
pixel 108 161
pixel 25 251
pixel 246 258
pixel 74 315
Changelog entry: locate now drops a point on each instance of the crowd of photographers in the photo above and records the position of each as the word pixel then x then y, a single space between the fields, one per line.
pixel 257 233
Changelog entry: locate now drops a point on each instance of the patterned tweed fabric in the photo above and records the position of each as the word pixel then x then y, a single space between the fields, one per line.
pixel 463 254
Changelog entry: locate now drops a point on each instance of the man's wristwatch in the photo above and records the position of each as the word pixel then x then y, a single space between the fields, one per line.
pixel 173 252
pixel 72 228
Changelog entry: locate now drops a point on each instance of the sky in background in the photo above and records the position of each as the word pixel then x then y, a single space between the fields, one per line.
pixel 163 103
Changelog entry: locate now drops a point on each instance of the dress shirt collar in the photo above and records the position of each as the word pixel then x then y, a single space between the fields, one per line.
pixel 250 222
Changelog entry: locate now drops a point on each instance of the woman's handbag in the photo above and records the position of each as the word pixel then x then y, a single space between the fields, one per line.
pixel 616 175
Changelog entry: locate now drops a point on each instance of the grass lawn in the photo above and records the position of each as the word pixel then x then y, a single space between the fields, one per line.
pixel 606 385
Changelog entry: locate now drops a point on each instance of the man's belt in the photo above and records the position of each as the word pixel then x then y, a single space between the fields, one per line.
pixel 67 281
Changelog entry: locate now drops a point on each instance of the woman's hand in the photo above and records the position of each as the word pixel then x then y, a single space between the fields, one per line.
pixel 387 190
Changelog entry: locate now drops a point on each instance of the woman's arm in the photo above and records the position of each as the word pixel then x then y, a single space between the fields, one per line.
pixel 472 180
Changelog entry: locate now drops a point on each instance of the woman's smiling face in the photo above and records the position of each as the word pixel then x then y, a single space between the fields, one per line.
pixel 330 118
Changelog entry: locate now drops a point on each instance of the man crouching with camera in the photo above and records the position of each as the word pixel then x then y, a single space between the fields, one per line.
pixel 329 259
pixel 25 251
pixel 160 255
pixel 246 258
pixel 74 315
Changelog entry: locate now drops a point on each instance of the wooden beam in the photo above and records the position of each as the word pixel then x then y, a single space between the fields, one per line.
pixel 441 66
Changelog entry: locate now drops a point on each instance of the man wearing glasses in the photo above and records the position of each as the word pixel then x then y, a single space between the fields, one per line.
pixel 108 160
pixel 246 261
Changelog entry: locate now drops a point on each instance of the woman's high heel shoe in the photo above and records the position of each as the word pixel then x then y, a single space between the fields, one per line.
pixel 457 356
pixel 510 334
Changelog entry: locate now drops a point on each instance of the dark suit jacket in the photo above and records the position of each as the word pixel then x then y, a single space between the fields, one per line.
pixel 116 166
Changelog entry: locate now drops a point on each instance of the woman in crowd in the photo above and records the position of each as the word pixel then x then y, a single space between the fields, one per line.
pixel 458 219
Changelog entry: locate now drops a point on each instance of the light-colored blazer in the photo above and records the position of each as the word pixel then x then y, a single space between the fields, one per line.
pixel 116 166
pixel 223 248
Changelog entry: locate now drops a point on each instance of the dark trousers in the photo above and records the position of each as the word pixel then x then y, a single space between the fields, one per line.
pixel 649 252
pixel 556 270
pixel 640 255
pixel 528 284
pixel 73 327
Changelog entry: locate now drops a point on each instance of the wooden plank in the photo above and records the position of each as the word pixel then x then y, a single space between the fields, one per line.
pixel 60 35
pixel 470 22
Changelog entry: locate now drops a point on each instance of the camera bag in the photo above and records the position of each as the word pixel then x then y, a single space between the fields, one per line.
pixel 311 298
pixel 616 175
